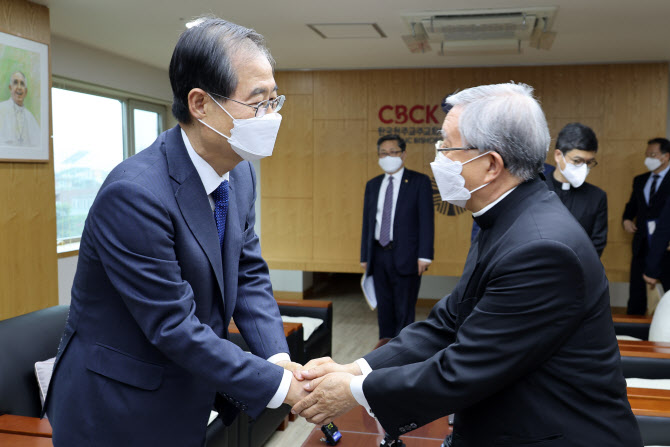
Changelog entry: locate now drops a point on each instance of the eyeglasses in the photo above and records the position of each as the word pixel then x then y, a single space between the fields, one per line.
pixel 389 153
pixel 654 155
pixel 439 148
pixel 580 161
pixel 272 105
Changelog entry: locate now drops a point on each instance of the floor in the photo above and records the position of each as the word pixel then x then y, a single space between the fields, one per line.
pixel 355 333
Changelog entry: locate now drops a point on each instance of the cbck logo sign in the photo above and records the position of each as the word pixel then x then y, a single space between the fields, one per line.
pixel 427 133
pixel 401 114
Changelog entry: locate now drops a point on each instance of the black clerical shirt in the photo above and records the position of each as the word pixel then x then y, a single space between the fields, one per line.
pixel 588 204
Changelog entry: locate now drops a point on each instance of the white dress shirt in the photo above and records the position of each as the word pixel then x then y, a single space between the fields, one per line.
pixel 647 186
pixel 397 180
pixel 211 180
pixel 356 384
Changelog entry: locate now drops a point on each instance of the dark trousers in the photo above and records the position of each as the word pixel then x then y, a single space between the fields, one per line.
pixel 396 294
pixel 637 290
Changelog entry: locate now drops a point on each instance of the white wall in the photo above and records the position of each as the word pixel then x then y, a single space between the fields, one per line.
pixel 73 60
pixel 81 63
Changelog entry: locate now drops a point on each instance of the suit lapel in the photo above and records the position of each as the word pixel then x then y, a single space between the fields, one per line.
pixel 232 244
pixel 402 192
pixel 193 201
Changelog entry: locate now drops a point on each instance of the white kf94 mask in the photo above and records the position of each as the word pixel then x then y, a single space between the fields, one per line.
pixel 251 138
pixel 449 180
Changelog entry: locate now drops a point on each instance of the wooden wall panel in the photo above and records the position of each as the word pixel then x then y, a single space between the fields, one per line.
pixel 28 263
pixel 291 164
pixel 294 82
pixel 339 180
pixel 625 104
pixel 636 101
pixel 341 95
pixel 286 228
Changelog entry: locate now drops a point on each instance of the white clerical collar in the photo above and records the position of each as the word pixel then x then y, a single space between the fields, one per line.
pixel 210 179
pixel 492 204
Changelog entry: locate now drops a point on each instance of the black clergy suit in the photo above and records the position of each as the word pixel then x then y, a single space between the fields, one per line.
pixel 523 350
pixel 395 269
pixel 640 211
pixel 588 204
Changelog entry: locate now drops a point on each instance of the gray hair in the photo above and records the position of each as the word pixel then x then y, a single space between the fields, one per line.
pixel 507 119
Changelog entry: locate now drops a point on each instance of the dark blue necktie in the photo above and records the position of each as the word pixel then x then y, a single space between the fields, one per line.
pixel 220 196
pixel 385 232
pixel 654 182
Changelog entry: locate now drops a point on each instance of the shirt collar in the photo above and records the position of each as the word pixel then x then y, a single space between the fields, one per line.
pixel 492 204
pixel 397 176
pixel 210 179
pixel 662 173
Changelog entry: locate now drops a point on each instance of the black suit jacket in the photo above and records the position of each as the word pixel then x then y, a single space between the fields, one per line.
pixel 523 350
pixel 638 210
pixel 658 261
pixel 413 224
pixel 588 204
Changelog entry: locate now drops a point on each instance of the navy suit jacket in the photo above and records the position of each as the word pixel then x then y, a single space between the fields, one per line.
pixel 523 350
pixel 144 350
pixel 413 223
pixel 637 208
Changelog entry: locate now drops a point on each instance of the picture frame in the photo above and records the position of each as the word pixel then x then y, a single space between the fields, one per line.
pixel 24 100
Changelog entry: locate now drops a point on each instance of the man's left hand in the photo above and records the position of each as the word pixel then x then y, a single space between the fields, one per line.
pixel 423 266
pixel 330 397
pixel 650 281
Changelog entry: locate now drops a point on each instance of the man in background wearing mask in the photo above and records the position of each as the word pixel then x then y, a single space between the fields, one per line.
pixel 575 156
pixel 398 232
pixel 168 255
pixel 640 217
pixel 523 349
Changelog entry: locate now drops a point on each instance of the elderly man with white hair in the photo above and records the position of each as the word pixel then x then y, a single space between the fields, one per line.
pixel 18 127
pixel 523 350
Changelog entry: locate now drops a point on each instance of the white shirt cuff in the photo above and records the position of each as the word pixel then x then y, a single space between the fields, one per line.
pixel 364 366
pixel 356 385
pixel 285 384
pixel 279 357
pixel 428 261
pixel 282 391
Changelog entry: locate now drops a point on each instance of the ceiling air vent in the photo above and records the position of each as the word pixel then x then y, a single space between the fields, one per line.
pixel 492 31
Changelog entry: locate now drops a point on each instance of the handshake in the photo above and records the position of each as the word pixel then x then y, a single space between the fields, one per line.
pixel 320 391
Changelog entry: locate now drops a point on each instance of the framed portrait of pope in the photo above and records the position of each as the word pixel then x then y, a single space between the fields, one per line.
pixel 24 99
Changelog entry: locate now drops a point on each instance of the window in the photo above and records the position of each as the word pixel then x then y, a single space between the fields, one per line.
pixel 92 133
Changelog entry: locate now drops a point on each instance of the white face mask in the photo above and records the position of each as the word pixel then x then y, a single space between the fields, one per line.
pixel 576 175
pixel 449 180
pixel 251 138
pixel 390 164
pixel 652 163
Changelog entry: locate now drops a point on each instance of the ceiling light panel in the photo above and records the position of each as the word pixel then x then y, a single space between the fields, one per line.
pixel 347 30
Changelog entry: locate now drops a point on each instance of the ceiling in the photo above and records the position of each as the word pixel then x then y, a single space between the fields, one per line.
pixel 589 31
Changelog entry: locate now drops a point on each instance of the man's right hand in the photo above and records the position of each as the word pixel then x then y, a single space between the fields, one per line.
pixel 629 226
pixel 364 265
pixel 325 365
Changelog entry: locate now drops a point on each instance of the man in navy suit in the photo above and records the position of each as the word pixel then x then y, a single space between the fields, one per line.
pixel 168 255
pixel 397 239
pixel 641 218
pixel 523 350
